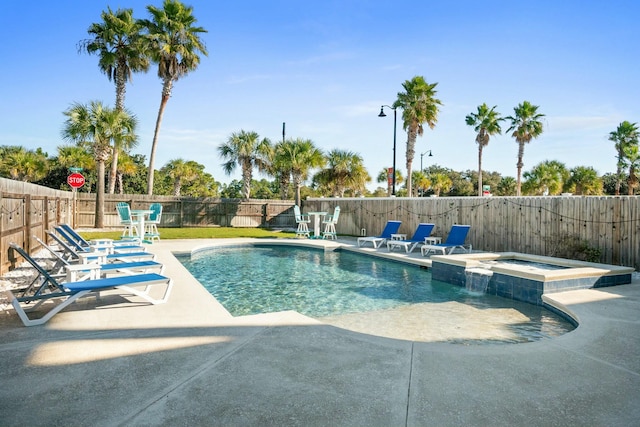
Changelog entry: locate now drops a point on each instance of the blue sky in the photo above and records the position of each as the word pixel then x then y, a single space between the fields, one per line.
pixel 326 67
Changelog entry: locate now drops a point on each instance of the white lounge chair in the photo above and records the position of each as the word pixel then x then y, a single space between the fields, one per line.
pixel 76 241
pixel 392 227
pixel 100 257
pixel 74 271
pixel 51 288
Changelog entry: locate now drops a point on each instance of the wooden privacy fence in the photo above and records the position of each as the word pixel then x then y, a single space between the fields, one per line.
pixel 193 212
pixel 28 210
pixel 533 225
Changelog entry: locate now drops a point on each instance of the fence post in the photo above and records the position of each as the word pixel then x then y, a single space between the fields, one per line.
pixel 26 244
pixel 181 213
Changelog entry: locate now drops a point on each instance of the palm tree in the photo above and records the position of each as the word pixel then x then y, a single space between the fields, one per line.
pixel 419 105
pixel 95 126
pixel 74 156
pixel 526 125
pixel 625 135
pixel 421 182
pixel 383 176
pixel 632 160
pixel 584 180
pixel 345 171
pixel 280 167
pixel 440 182
pixel 175 45
pixel 297 157
pixel 70 156
pixel 119 43
pixel 486 122
pixel 179 170
pixel 506 186
pixel 25 165
pixel 247 150
pixel 126 167
pixel 546 178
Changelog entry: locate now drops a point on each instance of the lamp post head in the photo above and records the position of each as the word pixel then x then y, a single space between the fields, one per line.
pixel 382 114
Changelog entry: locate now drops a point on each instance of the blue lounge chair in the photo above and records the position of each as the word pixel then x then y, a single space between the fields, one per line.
pixel 98 256
pixel 455 239
pixel 50 288
pixel 82 245
pixel 75 271
pixel 392 227
pixel 423 230
pixel 134 241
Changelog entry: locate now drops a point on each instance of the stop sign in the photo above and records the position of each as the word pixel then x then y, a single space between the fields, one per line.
pixel 75 180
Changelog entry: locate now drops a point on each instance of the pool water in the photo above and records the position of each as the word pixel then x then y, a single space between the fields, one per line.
pixel 346 289
pixel 531 264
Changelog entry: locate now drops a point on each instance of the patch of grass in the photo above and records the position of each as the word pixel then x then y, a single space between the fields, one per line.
pixel 199 233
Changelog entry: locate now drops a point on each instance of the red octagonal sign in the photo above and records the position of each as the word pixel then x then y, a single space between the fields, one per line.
pixel 76 180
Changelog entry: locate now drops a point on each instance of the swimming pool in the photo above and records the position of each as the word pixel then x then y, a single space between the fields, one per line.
pixel 348 289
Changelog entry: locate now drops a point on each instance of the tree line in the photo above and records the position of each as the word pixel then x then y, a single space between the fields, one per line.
pixel 101 137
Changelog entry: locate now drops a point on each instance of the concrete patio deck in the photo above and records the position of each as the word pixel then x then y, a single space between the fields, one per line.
pixel 113 361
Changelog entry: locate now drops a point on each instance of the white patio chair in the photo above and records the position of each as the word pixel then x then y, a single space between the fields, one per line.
pixel 303 222
pixel 330 222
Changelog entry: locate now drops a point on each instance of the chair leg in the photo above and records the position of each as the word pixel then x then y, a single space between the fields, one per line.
pixel 302 230
pixel 329 231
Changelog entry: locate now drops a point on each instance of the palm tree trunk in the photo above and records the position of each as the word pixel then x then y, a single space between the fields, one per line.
pixel 297 183
pixel 480 170
pixel 618 180
pixel 411 149
pixel 519 166
pixel 284 185
pixel 99 222
pixel 121 90
pixel 114 171
pixel 246 180
pixel 632 181
pixel 166 93
pixel 120 184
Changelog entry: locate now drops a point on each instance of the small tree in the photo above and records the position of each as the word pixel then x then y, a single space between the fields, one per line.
pixel 626 135
pixel 96 126
pixel 247 150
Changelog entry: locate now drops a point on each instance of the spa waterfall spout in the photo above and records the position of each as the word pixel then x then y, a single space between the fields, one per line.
pixel 477 279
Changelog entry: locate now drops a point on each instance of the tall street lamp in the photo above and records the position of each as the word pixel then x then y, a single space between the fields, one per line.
pixel 422 155
pixel 395 121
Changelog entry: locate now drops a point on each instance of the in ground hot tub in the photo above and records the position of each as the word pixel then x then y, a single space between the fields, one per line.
pixel 524 277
